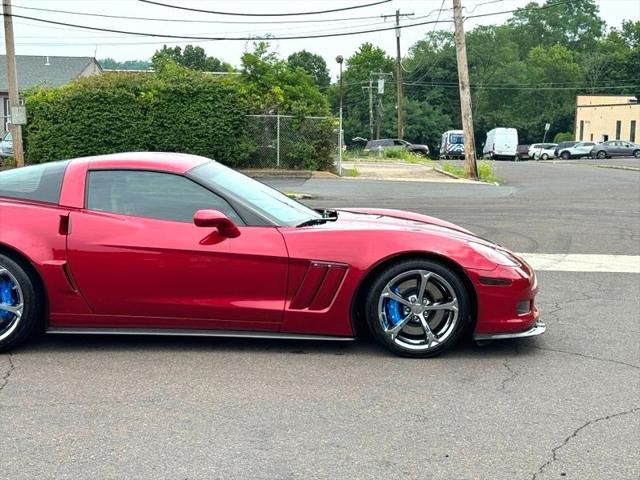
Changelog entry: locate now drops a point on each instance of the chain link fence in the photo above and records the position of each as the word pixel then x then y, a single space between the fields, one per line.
pixel 288 142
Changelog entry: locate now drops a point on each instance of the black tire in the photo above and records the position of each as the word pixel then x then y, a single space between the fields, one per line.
pixel 565 155
pixel 545 156
pixel 601 155
pixel 33 306
pixel 373 297
pixel 636 153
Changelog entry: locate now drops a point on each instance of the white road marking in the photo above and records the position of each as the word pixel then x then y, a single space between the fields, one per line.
pixel 572 262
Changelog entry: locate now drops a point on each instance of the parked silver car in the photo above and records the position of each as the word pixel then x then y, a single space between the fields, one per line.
pixel 579 150
pixel 615 148
pixel 6 145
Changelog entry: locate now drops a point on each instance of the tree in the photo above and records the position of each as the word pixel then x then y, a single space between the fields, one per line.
pixel 111 64
pixel 358 69
pixel 191 57
pixel 273 86
pixel 313 64
pixel 575 25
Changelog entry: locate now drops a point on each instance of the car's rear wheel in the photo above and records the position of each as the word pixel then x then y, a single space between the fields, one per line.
pixel 636 153
pixel 417 308
pixel 601 155
pixel 20 306
pixel 565 155
pixel 545 156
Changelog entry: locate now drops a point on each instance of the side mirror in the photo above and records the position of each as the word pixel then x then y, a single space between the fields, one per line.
pixel 216 219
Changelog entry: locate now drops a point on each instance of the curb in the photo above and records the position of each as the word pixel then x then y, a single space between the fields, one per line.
pixel 466 180
pixel 299 196
pixel 448 174
pixel 275 173
pixel 619 167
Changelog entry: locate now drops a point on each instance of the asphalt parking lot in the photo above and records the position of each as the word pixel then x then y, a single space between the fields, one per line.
pixel 564 405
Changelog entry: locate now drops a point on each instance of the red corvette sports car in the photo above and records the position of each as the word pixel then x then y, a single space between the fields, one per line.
pixel 172 244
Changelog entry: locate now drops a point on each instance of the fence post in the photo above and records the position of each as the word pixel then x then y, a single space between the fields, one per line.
pixel 278 139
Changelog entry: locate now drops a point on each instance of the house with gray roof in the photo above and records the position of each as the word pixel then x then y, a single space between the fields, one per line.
pixel 45 71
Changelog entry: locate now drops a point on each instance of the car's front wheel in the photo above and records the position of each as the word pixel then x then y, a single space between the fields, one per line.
pixel 565 155
pixel 20 305
pixel 636 153
pixel 417 308
pixel 601 155
pixel 545 156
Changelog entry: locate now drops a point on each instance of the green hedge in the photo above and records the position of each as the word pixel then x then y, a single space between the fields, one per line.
pixel 186 112
pixel 177 110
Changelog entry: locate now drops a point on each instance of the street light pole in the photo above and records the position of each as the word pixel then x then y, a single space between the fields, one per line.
pixel 340 60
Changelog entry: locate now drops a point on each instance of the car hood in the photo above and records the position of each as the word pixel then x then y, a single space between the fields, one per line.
pixel 389 219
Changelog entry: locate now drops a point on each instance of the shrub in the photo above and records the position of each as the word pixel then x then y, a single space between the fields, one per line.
pixel 179 111
pixel 174 110
pixel 563 137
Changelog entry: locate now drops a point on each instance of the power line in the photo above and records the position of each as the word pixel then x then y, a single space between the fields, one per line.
pixel 245 38
pixel 194 37
pixel 184 20
pixel 244 14
pixel 484 87
pixel 294 29
pixel 537 84
pixel 440 10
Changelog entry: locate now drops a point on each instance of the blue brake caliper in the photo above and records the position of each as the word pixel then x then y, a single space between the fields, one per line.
pixel 6 297
pixel 393 311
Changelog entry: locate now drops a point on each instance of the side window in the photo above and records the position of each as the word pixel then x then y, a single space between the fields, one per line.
pixel 41 183
pixel 398 143
pixel 162 196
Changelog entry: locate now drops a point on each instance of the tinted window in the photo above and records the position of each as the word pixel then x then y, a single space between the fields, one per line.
pixel 151 194
pixel 41 183
pixel 269 202
pixel 456 139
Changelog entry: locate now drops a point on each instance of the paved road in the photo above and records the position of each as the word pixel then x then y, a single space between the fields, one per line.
pixel 565 405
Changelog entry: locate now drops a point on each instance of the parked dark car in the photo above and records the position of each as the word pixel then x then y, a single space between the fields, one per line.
pixel 563 145
pixel 385 143
pixel 522 152
pixel 615 148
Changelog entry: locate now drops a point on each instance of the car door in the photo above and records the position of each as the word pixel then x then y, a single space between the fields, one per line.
pixel 139 260
pixel 625 149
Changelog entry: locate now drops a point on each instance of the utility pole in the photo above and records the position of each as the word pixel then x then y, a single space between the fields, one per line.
pixel 340 60
pixel 399 77
pixel 465 94
pixel 12 79
pixel 370 88
pixel 399 72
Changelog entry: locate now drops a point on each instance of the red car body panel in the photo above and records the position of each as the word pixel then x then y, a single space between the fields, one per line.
pixel 109 270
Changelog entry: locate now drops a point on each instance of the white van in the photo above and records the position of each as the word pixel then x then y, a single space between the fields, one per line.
pixel 452 144
pixel 501 144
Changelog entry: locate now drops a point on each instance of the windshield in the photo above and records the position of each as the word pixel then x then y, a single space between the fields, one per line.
pixel 456 139
pixel 279 208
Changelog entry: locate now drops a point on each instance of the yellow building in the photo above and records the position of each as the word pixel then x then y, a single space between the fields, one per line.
pixel 607 117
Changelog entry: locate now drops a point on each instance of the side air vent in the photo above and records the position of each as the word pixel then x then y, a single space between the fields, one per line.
pixel 319 286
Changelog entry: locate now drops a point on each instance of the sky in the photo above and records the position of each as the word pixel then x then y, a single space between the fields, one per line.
pixel 35 38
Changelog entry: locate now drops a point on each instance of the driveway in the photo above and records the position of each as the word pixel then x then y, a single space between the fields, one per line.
pixel 564 405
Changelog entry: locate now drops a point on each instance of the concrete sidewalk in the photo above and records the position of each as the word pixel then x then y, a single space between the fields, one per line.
pixel 400 171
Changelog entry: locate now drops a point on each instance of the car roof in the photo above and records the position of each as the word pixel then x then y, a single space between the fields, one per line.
pixel 164 161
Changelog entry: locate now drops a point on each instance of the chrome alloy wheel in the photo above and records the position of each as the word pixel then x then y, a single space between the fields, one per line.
pixel 11 303
pixel 418 310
